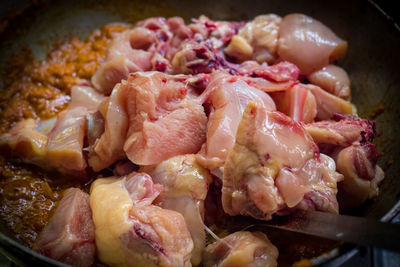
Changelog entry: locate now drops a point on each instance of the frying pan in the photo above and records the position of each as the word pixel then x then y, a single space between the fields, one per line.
pixel 372 62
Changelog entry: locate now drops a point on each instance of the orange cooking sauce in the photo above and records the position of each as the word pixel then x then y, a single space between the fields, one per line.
pixel 40 89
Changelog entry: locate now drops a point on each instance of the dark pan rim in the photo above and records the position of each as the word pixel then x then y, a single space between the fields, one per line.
pixel 21 255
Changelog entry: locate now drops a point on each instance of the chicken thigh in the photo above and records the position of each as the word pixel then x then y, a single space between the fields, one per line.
pixel 130 230
pixel 185 185
pixel 274 165
pixel 69 235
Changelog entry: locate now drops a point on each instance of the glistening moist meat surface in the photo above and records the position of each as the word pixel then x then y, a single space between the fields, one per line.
pixel 39 90
pixel 143 136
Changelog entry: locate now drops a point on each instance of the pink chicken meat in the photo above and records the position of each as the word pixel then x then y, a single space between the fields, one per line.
pixel 308 43
pixel 348 139
pixel 65 142
pixel 107 145
pixel 161 111
pixel 332 79
pixel 130 230
pixel 241 249
pixel 144 116
pixel 228 97
pixel 56 143
pixel 275 166
pixel 185 185
pixel 256 107
pixel 69 236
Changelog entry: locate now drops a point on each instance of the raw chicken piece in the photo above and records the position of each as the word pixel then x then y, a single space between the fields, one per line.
pixel 282 72
pixel 185 185
pixel 218 32
pixel 69 235
pixel 332 79
pixel 297 102
pixel 57 143
pixel 194 58
pixel 275 165
pixel 165 119
pixel 65 141
pixel 361 174
pixel 145 115
pixel 152 45
pixel 348 139
pixel 130 231
pixel 45 126
pixel 343 130
pixel 107 148
pixel 109 74
pixel 308 43
pixel 168 45
pixel 142 48
pixel 202 52
pixel 126 54
pixel 328 104
pixel 168 35
pixel 228 97
pixel 274 78
pixel 85 96
pixel 266 85
pixel 95 127
pixel 165 45
pixel 257 40
pixel 124 167
pixel 179 33
pixel 241 249
pixel 26 142
pixel 239 49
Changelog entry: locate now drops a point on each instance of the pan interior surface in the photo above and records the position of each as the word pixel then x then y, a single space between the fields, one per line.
pixel 371 61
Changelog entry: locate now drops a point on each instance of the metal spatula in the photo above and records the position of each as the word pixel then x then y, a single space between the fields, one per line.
pixel 357 230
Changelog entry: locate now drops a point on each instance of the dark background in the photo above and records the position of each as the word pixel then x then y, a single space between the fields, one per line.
pixel 391 8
